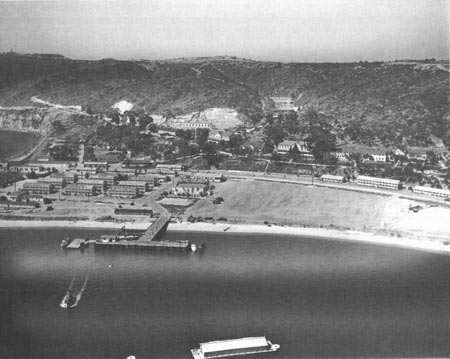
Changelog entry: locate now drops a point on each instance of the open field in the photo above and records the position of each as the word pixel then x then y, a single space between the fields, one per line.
pixel 290 204
pixel 257 201
pixel 276 204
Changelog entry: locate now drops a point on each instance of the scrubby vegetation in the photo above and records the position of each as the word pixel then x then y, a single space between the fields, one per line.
pixel 388 103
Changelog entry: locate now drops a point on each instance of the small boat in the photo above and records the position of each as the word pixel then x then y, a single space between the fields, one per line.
pixel 65 242
pixel 69 300
pixel 232 347
pixel 196 248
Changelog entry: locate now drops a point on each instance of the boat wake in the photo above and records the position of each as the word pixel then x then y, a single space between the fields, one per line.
pixel 70 299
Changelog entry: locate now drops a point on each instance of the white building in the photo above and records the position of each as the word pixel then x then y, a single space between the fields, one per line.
pixel 340 156
pixel 368 153
pixel 378 182
pixel 332 178
pixel 443 193
pixel 283 103
pixel 194 125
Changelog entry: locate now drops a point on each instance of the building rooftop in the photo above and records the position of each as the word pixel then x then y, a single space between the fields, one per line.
pixel 287 143
pixel 132 183
pixel 362 149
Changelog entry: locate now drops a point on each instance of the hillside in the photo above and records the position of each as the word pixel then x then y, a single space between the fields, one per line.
pixel 399 98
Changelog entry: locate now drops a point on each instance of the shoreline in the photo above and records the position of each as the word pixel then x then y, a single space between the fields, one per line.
pixel 428 245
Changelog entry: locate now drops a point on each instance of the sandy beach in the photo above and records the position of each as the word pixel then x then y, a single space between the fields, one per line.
pixel 72 224
pixel 430 245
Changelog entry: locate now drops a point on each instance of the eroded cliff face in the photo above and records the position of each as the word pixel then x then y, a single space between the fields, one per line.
pixel 49 122
pixel 33 119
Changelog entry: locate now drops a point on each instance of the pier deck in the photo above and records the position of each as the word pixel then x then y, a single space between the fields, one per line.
pixel 77 243
pixel 142 244
pixel 147 240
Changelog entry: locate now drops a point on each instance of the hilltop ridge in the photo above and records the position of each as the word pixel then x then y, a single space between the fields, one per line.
pixel 401 97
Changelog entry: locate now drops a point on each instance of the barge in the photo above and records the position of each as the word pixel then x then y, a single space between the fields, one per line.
pixel 232 347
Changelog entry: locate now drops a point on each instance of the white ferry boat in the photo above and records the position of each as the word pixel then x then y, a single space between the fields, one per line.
pixel 231 347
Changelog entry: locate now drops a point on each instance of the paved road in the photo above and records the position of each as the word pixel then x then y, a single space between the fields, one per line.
pixel 307 180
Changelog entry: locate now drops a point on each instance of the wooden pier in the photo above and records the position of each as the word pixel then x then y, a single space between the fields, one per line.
pixel 144 245
pixel 77 243
pixel 145 241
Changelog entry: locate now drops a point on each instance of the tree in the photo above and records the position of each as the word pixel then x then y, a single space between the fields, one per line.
pixel 202 135
pixel 291 123
pixel 295 154
pixel 168 114
pixel 320 138
pixel 144 121
pixel 432 158
pixel 329 159
pixel 274 134
pixel 58 126
pixel 235 142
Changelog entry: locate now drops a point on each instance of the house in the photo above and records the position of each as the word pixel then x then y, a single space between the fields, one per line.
pixel 60 166
pixel 217 136
pixel 378 182
pixel 369 154
pixel 190 189
pixel 36 198
pixel 286 146
pixel 17 196
pixel 416 153
pixel 421 153
pixel 301 146
pixel 283 104
pixel 340 156
pixel 110 157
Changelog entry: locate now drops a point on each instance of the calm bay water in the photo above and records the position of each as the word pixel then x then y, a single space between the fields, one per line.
pixel 316 298
pixel 15 142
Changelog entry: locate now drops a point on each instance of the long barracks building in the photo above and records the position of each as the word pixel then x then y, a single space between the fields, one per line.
pixel 378 182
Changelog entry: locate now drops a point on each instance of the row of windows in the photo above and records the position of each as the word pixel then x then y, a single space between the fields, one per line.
pixel 378 182
pixel 432 191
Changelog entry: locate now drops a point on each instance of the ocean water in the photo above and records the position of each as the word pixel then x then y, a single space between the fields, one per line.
pixel 15 142
pixel 316 298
